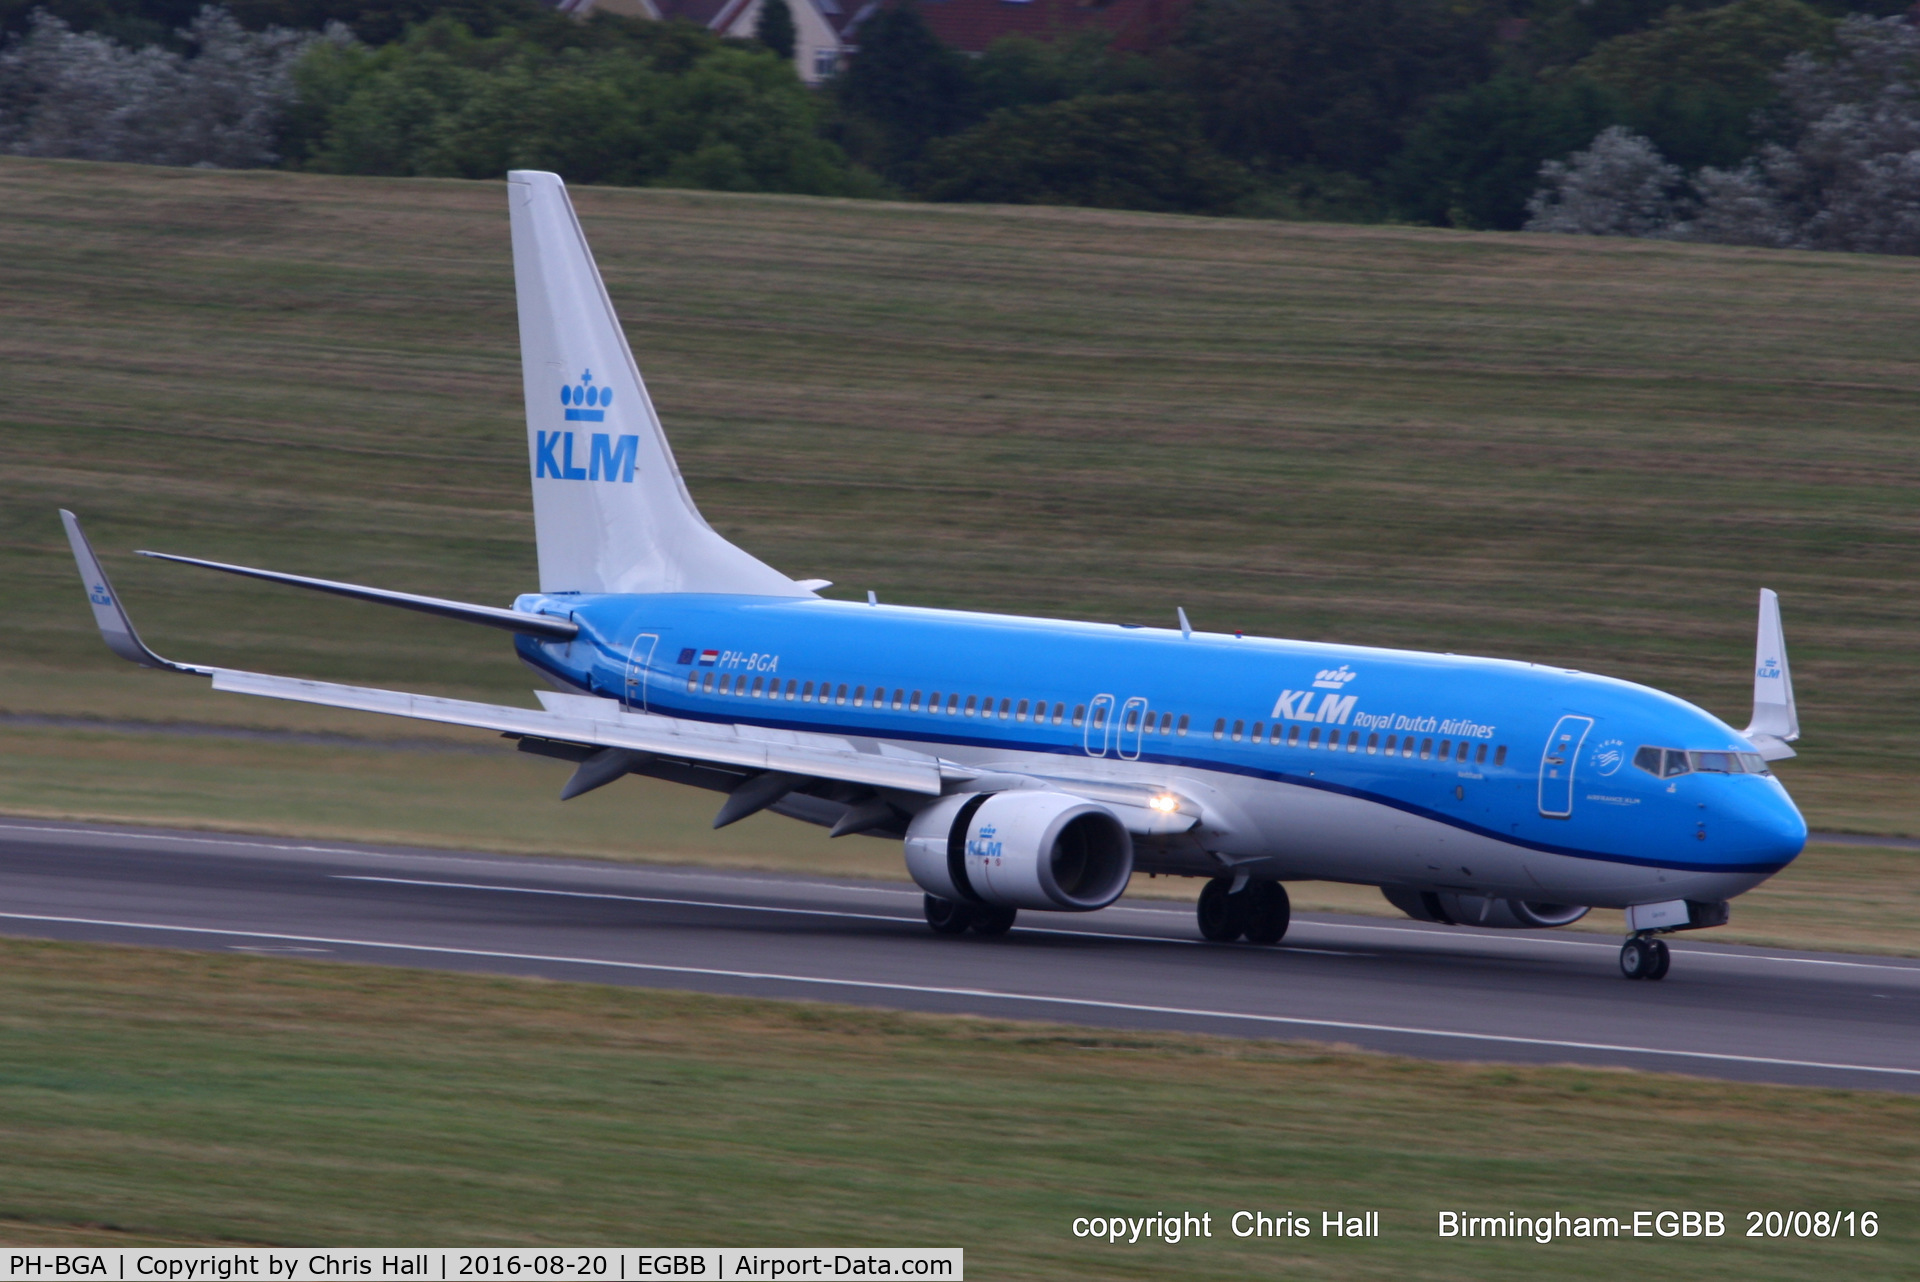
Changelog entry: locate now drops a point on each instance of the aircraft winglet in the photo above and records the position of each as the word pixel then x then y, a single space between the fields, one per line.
pixel 116 629
pixel 1776 721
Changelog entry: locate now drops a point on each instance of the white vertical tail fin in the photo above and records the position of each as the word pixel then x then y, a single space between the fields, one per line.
pixel 1776 722
pixel 610 510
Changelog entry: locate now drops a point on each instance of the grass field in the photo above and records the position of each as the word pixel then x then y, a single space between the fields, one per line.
pixel 155 1096
pixel 1578 452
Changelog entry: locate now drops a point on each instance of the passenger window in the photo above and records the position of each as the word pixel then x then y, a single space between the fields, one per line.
pixel 840 695
pixel 1220 728
pixel 693 682
pixel 973 704
pixel 1426 749
pixel 1500 755
pixel 953 705
pixel 1182 727
pixel 726 680
pixel 1079 713
pixel 1446 749
pixel 706 684
pixel 1275 737
pixel 1462 754
pixel 1166 723
pixel 1293 735
pixel 1373 743
pixel 1391 739
pixel 1255 736
pixel 1133 717
pixel 1313 736
pixel 1020 713
pixel 914 704
pixel 1480 755
pixel 1100 716
pixel 1353 740
pixel 757 681
pixel 1005 704
pixel 1239 727
pixel 859 696
pixel 806 693
pixel 899 697
pixel 793 688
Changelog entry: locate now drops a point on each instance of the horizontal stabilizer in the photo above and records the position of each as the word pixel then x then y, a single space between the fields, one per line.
pixel 538 625
pixel 116 629
pixel 1776 721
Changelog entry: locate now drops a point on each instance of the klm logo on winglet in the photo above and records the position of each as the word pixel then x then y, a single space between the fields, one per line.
pixel 98 595
pixel 584 394
pixel 1769 669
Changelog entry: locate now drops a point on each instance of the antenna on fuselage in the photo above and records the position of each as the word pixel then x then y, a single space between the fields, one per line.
pixel 1186 629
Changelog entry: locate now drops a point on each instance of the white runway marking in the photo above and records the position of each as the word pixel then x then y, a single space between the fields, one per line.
pixel 987 994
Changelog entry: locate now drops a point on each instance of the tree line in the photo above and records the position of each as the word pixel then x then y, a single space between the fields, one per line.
pixel 1780 122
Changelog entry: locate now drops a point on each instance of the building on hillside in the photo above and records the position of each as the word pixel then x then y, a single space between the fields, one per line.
pixel 823 29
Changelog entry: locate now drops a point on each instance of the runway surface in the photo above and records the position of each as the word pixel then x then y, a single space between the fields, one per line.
pixel 1402 987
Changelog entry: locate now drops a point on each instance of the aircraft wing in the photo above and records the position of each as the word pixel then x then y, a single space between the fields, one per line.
pixel 601 723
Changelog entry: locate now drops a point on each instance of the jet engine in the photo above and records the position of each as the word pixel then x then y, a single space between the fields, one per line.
pixel 1451 909
pixel 1044 850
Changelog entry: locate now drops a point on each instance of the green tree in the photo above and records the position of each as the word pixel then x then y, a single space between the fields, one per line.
pixel 1331 83
pixel 646 104
pixel 774 27
pixel 903 90
pixel 1116 151
pixel 1475 156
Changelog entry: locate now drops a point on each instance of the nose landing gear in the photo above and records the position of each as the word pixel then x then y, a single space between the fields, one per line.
pixel 1261 911
pixel 1645 957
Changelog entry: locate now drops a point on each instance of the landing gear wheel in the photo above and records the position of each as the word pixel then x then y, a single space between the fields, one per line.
pixel 1223 916
pixel 1268 913
pixel 1638 958
pixel 993 921
pixel 1662 958
pixel 948 916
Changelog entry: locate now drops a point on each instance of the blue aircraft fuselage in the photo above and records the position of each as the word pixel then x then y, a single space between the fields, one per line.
pixel 1345 762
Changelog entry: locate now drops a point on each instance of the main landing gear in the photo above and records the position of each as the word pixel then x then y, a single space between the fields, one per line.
pixel 1260 912
pixel 951 917
pixel 1645 957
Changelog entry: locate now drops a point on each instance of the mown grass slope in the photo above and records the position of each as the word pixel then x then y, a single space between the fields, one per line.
pixel 1589 453
pixel 157 1096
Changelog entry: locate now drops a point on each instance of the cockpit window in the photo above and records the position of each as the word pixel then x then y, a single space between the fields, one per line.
pixel 1667 763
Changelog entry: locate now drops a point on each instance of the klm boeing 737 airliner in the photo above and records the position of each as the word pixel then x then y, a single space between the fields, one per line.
pixel 1032 763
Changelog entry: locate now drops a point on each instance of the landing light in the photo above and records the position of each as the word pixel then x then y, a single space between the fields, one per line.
pixel 1164 804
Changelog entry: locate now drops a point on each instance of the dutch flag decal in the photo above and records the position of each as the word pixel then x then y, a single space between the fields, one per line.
pixel 709 657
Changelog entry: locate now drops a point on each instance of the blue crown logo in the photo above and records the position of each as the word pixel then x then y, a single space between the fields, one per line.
pixel 586 403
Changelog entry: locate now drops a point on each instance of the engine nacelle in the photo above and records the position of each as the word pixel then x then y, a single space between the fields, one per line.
pixel 1451 909
pixel 1044 850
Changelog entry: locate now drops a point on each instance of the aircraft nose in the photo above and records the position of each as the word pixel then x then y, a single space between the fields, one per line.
pixel 1769 828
